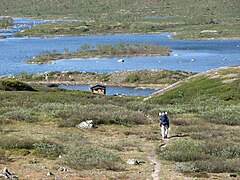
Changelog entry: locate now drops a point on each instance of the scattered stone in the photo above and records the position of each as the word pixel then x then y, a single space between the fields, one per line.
pixel 49 173
pixel 7 174
pixel 120 60
pixel 86 124
pixel 232 175
pixel 33 161
pixel 133 161
pixel 209 31
pixel 63 169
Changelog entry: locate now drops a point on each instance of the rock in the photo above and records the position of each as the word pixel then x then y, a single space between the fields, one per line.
pixel 33 161
pixel 63 169
pixel 132 161
pixel 7 174
pixel 49 173
pixel 120 60
pixel 232 175
pixel 86 124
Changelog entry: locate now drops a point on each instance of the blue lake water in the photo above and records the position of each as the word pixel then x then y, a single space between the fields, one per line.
pixel 189 55
pixel 23 23
pixel 113 90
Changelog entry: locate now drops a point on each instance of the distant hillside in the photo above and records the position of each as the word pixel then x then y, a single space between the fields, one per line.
pixel 116 9
pixel 190 19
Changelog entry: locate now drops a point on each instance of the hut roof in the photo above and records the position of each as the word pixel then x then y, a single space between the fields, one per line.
pixel 97 86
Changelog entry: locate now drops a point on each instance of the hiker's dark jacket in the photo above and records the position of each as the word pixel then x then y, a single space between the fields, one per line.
pixel 164 120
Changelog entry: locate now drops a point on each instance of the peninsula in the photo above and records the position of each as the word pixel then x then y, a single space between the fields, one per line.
pixel 103 50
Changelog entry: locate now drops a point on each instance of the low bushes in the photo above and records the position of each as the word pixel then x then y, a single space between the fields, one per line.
pixel 21 114
pixel 48 149
pixel 12 142
pixel 87 157
pixel 214 165
pixel 183 151
pixel 222 114
pixel 72 114
pixel 195 156
pixel 40 148
pixel 13 85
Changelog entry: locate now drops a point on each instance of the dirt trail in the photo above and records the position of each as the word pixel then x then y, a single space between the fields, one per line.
pixel 156 167
pixel 156 164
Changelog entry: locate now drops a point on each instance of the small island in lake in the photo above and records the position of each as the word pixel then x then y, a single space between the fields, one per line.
pixel 103 50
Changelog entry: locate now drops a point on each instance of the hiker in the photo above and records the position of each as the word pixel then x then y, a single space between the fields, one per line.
pixel 164 124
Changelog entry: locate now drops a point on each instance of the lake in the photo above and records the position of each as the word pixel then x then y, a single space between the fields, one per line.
pixel 114 90
pixel 189 55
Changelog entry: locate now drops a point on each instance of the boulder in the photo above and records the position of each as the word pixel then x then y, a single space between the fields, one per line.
pixel 120 60
pixel 49 173
pixel 63 169
pixel 132 161
pixel 232 175
pixel 86 124
pixel 7 174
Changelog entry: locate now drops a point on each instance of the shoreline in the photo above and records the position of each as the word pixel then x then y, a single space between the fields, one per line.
pixel 92 56
pixel 172 35
pixel 139 86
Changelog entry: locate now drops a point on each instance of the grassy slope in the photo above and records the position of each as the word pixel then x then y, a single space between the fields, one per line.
pixel 189 16
pixel 207 118
pixel 204 130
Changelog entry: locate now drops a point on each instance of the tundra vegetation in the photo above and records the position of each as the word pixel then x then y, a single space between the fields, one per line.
pixel 156 78
pixel 103 50
pixel 190 19
pixel 37 127
pixel 5 22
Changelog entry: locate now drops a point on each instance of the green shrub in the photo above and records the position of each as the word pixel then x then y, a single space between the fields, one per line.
pixel 218 165
pixel 10 142
pixel 140 106
pixel 87 157
pixel 132 78
pixel 20 114
pixel 222 114
pixel 213 165
pixel 223 150
pixel 100 114
pixel 13 85
pixel 182 151
pixel 48 149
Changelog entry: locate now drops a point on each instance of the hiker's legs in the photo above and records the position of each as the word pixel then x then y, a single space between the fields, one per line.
pixel 166 132
pixel 163 131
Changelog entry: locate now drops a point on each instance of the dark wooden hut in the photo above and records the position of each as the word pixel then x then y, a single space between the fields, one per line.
pixel 97 88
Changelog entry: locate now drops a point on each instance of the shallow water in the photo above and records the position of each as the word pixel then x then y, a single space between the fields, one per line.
pixel 114 90
pixel 189 55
